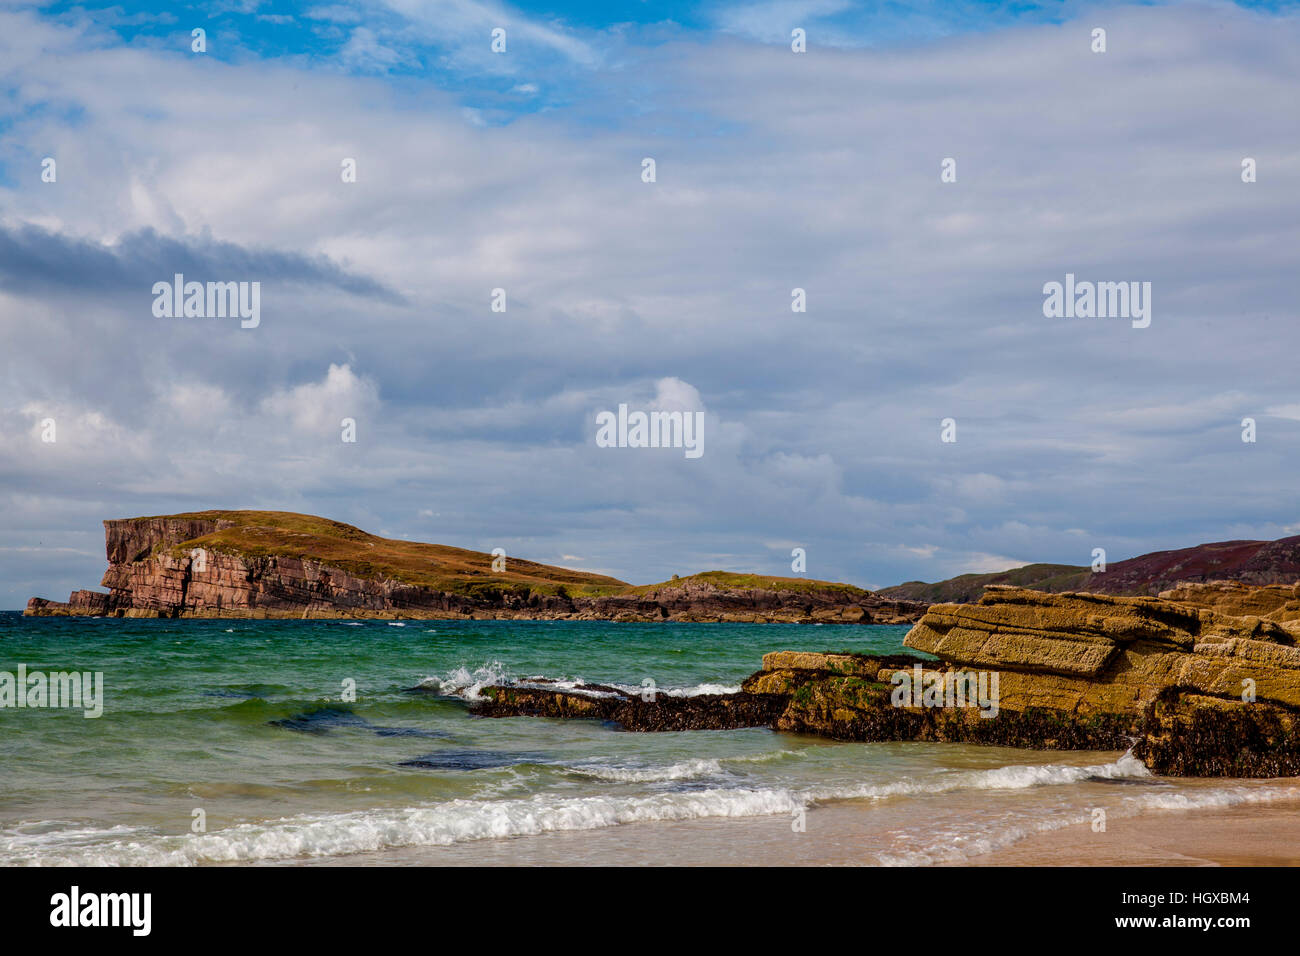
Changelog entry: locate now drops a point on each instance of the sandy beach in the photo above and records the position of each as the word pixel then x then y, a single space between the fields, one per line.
pixel 849 834
pixel 1232 836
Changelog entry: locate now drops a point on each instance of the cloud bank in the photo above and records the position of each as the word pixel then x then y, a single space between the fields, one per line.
pixel 774 171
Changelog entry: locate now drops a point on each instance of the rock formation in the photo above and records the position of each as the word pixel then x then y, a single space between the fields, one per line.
pixel 1273 602
pixel 274 564
pixel 1195 691
pixel 631 712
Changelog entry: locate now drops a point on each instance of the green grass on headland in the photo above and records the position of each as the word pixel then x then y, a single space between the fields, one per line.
pixel 264 534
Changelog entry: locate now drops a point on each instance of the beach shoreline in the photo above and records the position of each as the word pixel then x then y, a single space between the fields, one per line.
pixel 1222 836
pixel 841 834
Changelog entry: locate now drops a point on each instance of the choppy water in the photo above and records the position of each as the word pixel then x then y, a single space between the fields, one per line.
pixel 245 722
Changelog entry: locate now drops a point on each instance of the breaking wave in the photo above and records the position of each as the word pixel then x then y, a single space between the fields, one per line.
pixel 468 684
pixel 459 821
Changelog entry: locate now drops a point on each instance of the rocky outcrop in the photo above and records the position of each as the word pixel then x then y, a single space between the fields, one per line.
pixel 702 600
pixel 80 604
pixel 855 697
pixel 271 564
pixel 1097 653
pixel 1186 734
pixel 1273 602
pixel 652 712
pixel 1192 690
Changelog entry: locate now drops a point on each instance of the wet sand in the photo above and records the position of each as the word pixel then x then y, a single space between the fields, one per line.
pixel 1234 836
pixel 849 835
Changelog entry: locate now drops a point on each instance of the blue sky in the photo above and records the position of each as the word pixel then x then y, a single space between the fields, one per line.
pixel 555 47
pixel 775 170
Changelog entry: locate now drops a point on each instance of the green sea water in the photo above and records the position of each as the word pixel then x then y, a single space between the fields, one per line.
pixel 237 741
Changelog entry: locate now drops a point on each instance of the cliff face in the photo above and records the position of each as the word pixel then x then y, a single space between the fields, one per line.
pixel 267 564
pixel 237 586
pixel 1193 690
pixel 131 540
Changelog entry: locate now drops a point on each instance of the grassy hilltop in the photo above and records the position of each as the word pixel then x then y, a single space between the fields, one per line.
pixel 457 570
pixel 438 566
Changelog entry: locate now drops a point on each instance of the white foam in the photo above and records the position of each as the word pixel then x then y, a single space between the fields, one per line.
pixel 957 844
pixel 469 685
pixel 338 834
pixel 954 845
pixel 1211 798
pixel 696 690
pixel 686 770
pixel 459 821
pixel 568 686
pixel 465 683
pixel 1015 777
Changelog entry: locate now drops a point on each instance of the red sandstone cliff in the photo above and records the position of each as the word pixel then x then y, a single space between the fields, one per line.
pixel 273 564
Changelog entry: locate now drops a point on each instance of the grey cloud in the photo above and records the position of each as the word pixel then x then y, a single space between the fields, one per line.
pixel 34 260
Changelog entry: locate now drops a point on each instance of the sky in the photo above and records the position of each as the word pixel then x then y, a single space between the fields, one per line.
pixel 774 171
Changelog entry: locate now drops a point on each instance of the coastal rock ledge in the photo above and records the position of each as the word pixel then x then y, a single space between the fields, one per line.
pixel 1192 690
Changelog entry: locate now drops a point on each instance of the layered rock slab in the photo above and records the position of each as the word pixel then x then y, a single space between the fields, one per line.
pixel 1191 690
pixel 1111 654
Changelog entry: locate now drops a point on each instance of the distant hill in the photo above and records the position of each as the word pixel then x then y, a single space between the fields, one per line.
pixel 281 564
pixel 1251 562
pixel 967 588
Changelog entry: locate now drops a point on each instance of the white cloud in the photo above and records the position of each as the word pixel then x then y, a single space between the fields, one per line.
pixel 365 51
pixel 774 172
pixel 979 563
pixel 318 407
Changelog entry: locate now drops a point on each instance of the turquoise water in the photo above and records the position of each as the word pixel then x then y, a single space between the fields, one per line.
pixel 243 724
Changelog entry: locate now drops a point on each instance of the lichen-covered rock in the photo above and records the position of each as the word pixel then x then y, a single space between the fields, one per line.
pixel 1114 653
pixel 1208 692
pixel 830 703
pixel 1186 734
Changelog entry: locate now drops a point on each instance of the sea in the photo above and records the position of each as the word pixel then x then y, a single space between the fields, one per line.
pixel 351 742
